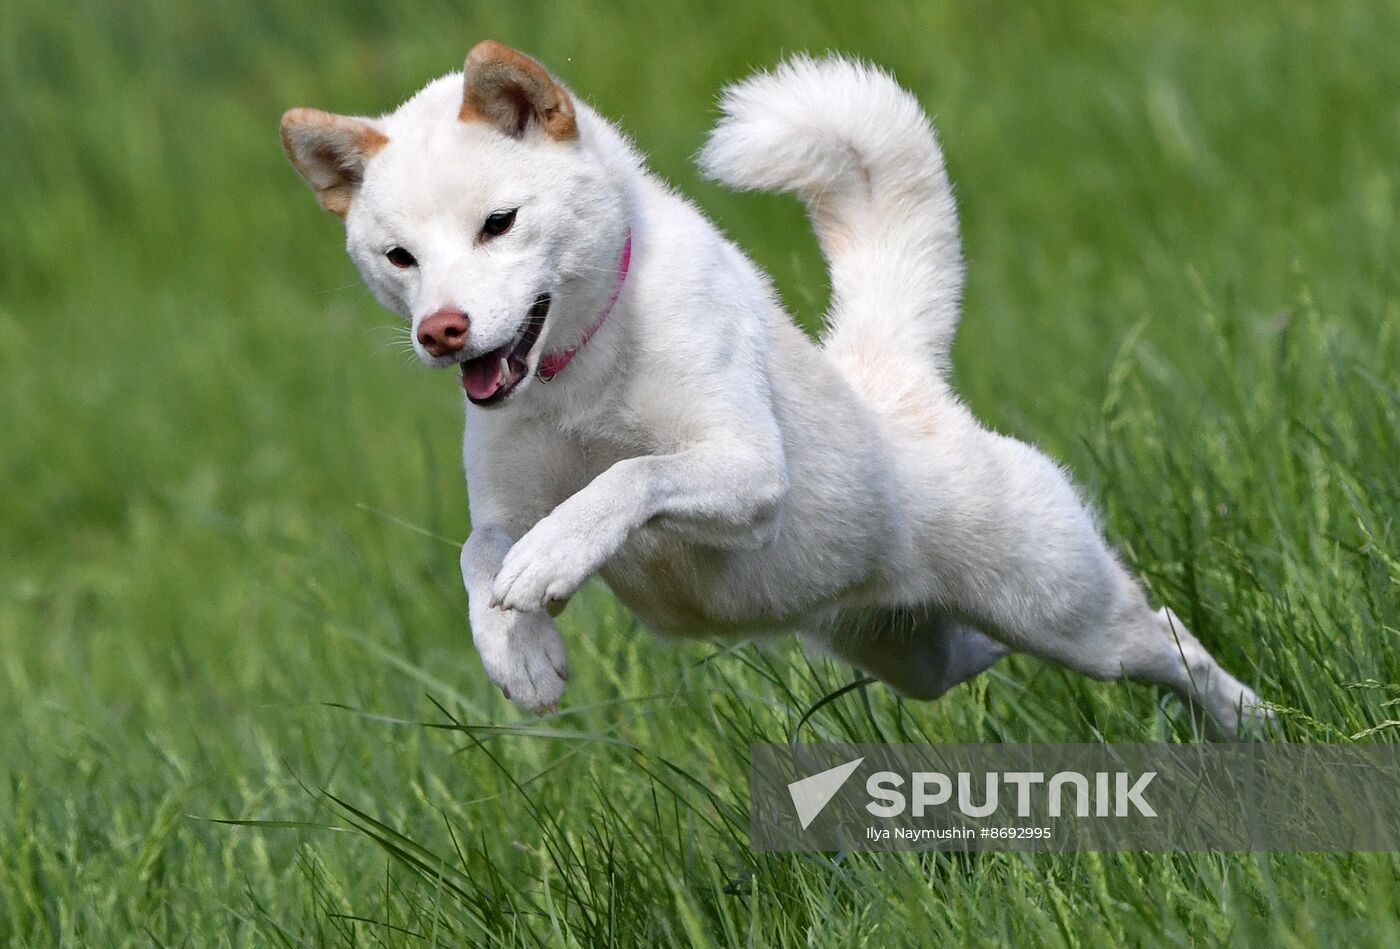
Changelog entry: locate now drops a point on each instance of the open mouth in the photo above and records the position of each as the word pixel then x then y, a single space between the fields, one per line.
pixel 491 377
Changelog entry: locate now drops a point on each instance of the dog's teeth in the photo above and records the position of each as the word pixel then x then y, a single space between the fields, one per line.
pixel 505 368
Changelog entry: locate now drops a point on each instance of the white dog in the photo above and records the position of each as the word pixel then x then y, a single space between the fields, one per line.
pixel 640 407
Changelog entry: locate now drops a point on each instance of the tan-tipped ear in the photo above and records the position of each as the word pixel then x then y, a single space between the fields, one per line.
pixel 330 151
pixel 509 90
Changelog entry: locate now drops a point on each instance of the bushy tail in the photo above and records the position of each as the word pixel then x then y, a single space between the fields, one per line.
pixel 862 155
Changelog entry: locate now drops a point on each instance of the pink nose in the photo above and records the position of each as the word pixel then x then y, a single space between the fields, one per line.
pixel 444 333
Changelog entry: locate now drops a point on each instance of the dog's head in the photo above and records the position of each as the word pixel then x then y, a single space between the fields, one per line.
pixel 479 211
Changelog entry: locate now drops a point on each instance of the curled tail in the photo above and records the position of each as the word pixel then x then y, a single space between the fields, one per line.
pixel 859 151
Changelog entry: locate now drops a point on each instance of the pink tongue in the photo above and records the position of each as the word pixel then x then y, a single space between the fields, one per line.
pixel 482 377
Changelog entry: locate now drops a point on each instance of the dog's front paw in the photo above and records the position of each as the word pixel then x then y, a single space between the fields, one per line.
pixel 523 654
pixel 545 565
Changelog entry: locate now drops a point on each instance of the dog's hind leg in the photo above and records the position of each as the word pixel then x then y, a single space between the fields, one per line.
pixel 1175 658
pixel 919 653
pixel 1119 636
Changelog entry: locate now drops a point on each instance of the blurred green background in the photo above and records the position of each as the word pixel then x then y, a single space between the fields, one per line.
pixel 228 579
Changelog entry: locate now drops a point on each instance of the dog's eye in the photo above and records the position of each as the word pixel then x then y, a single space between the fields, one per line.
pixel 401 258
pixel 498 223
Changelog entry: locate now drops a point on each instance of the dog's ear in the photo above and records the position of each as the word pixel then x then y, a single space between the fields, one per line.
pixel 330 151
pixel 509 90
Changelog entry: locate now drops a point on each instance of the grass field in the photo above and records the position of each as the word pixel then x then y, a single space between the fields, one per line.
pixel 228 576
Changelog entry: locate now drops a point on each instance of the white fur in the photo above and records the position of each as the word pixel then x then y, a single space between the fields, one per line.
pixel 720 471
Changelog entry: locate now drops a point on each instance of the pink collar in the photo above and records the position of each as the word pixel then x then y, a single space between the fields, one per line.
pixel 551 364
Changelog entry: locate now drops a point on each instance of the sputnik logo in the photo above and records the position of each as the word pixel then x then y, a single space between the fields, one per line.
pixel 812 794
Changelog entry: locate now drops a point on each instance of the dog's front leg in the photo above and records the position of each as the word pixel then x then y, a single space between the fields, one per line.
pixel 522 652
pixel 722 495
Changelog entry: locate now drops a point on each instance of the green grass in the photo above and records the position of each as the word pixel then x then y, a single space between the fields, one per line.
pixel 228 582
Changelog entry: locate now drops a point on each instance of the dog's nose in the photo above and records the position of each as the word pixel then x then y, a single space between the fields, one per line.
pixel 444 332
